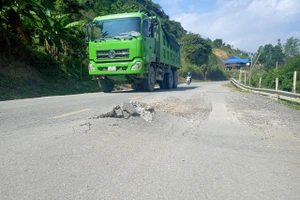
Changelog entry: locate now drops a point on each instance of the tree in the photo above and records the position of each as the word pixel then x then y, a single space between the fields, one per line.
pixel 278 55
pixel 196 49
pixel 292 47
pixel 71 8
pixel 218 43
pixel 21 17
pixel 270 55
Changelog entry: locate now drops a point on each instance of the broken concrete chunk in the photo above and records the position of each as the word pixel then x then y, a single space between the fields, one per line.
pixel 109 114
pixel 127 106
pixel 119 113
pixel 131 109
pixel 126 114
pixel 147 116
pixel 149 108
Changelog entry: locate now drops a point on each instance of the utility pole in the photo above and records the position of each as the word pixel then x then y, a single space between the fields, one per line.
pixel 276 64
pixel 252 66
pixel 250 70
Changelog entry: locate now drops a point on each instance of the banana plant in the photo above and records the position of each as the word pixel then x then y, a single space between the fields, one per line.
pixel 21 16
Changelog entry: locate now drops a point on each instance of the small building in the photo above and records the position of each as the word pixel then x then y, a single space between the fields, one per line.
pixel 235 63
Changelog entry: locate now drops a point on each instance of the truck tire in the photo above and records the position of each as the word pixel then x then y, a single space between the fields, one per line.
pixel 106 85
pixel 139 86
pixel 175 79
pixel 161 84
pixel 169 80
pixel 149 82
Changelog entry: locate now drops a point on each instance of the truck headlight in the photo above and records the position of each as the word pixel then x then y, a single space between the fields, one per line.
pixel 91 67
pixel 137 66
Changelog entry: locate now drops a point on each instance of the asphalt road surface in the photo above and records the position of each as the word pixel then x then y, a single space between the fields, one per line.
pixel 206 141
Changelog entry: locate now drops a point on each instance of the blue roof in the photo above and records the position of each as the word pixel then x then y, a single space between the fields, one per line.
pixel 237 60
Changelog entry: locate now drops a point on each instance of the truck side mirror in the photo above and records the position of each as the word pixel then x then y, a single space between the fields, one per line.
pixel 150 29
pixel 86 30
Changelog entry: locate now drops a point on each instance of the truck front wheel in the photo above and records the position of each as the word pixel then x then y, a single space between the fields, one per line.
pixel 139 87
pixel 106 85
pixel 149 82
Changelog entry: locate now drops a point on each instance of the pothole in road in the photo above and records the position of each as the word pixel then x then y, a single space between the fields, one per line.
pixel 198 107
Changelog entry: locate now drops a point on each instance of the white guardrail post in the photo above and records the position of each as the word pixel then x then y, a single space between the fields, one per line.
pixel 288 96
pixel 276 84
pixel 295 81
pixel 259 84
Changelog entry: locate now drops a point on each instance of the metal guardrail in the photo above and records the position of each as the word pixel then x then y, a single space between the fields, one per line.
pixel 288 96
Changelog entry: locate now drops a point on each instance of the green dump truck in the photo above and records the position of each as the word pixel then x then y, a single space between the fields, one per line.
pixel 132 48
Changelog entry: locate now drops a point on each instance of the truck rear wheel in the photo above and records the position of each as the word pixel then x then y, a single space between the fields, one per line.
pixel 169 80
pixel 149 82
pixel 175 79
pixel 161 84
pixel 106 85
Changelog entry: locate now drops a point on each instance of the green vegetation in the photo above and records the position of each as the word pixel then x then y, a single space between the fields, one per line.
pixel 43 51
pixel 195 49
pixel 270 54
pixel 234 88
pixel 290 104
pixel 287 57
pixel 200 59
pixel 16 88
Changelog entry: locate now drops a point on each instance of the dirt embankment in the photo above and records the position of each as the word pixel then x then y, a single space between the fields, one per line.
pixel 222 55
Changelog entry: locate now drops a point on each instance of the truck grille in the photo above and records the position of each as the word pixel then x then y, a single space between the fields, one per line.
pixel 105 69
pixel 112 54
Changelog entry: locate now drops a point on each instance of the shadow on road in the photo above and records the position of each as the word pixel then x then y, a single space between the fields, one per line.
pixel 179 88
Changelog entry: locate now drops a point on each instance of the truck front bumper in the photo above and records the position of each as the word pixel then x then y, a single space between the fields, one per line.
pixel 117 68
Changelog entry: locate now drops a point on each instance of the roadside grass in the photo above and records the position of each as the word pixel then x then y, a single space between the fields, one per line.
pixel 233 87
pixel 290 104
pixel 15 89
pixel 181 79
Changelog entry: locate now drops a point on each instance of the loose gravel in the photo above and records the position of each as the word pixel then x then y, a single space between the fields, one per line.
pixel 266 115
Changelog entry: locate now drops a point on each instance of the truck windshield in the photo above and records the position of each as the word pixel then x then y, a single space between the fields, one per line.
pixel 116 28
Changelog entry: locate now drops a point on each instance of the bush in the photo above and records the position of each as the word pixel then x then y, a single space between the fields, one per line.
pixel 195 71
pixel 284 74
pixel 217 74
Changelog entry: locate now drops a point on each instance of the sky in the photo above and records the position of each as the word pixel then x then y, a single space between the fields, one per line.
pixel 245 24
